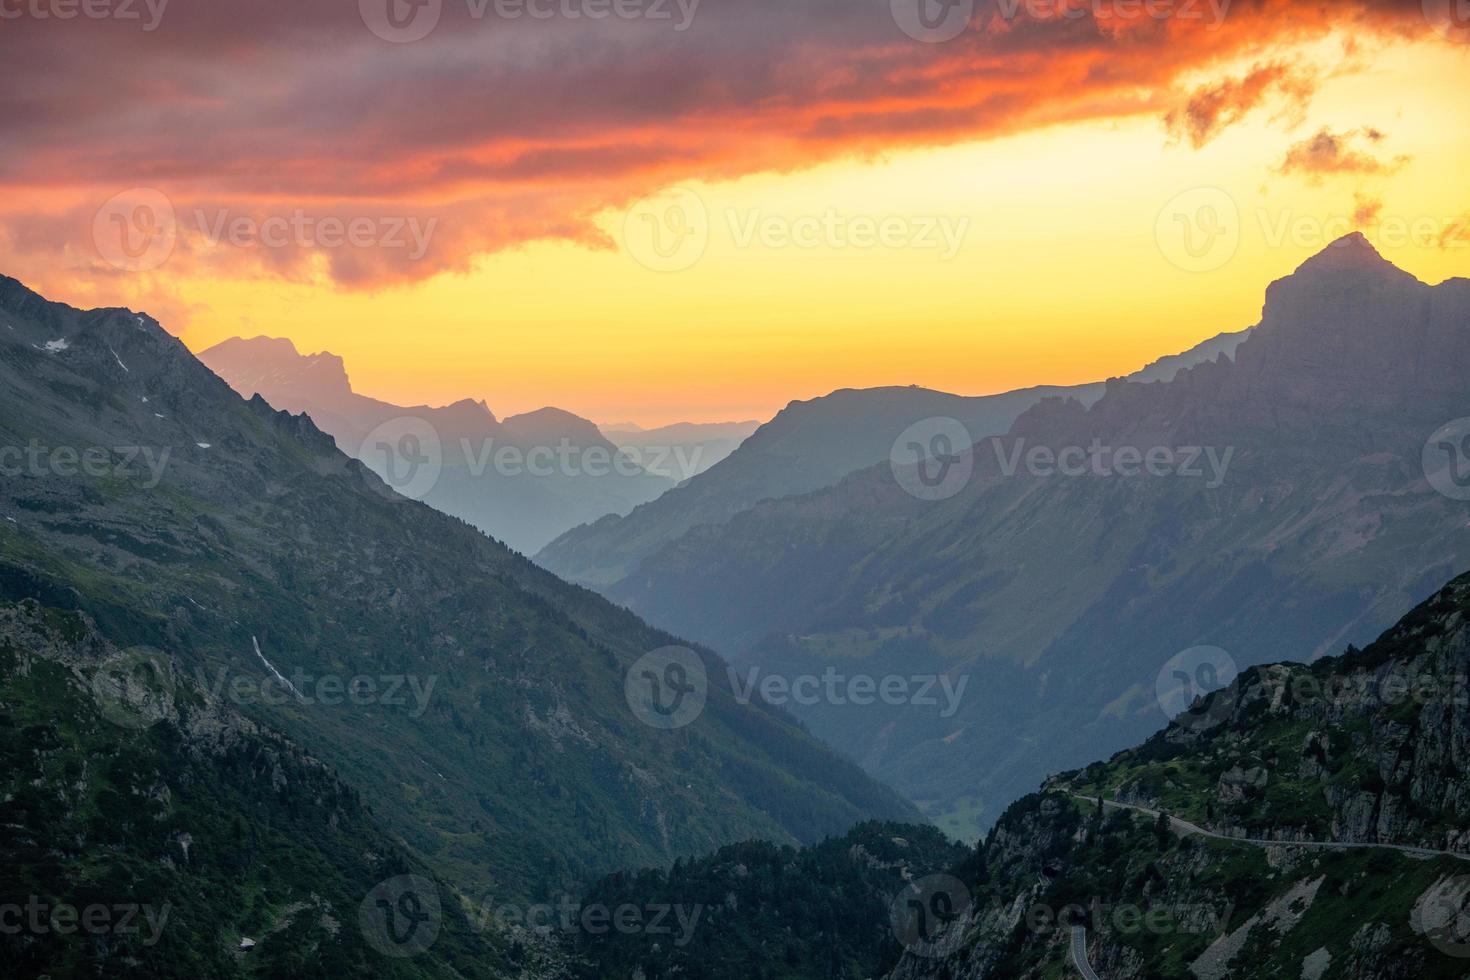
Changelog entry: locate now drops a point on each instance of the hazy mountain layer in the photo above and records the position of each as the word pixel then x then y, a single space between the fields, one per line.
pixel 523 480
pixel 1287 514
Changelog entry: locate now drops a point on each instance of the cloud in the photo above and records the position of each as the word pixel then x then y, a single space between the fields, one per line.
pixel 1366 210
pixel 509 131
pixel 1330 154
pixel 1456 234
pixel 1213 108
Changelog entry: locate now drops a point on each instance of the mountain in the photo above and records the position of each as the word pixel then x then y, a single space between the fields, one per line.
pixel 1286 511
pixel 175 829
pixel 1200 854
pixel 1165 368
pixel 758 910
pixel 1303 821
pixel 489 714
pixel 687 448
pixel 522 480
pixel 807 446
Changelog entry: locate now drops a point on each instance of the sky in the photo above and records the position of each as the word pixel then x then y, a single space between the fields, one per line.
pixel 697 210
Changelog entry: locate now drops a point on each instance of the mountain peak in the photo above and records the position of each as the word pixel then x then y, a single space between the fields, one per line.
pixel 1350 253
pixel 268 363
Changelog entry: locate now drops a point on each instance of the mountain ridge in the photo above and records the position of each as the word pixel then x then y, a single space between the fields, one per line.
pixel 258 546
pixel 1319 528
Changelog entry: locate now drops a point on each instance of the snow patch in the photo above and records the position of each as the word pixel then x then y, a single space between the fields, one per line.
pixel 119 360
pixel 56 346
pixel 202 445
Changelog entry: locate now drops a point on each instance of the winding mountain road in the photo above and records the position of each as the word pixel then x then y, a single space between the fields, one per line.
pixel 1186 829
pixel 1079 954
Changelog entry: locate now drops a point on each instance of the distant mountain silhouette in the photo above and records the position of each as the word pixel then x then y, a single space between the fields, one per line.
pixel 1063 596
pixel 690 447
pixel 506 500
pixel 807 446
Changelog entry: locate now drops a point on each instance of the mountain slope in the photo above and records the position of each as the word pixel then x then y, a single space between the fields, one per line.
pixel 1305 821
pixel 488 725
pixel 690 448
pixel 178 828
pixel 523 480
pixel 808 445
pixel 1061 596
pixel 1369 749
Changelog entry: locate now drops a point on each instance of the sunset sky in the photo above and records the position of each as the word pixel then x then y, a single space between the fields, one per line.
pixel 700 211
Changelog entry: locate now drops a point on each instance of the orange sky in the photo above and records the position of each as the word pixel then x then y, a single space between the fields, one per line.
pixel 1041 239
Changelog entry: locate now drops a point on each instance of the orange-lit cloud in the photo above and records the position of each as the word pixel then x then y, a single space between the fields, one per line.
pixel 1328 154
pixel 1213 107
pixel 499 132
